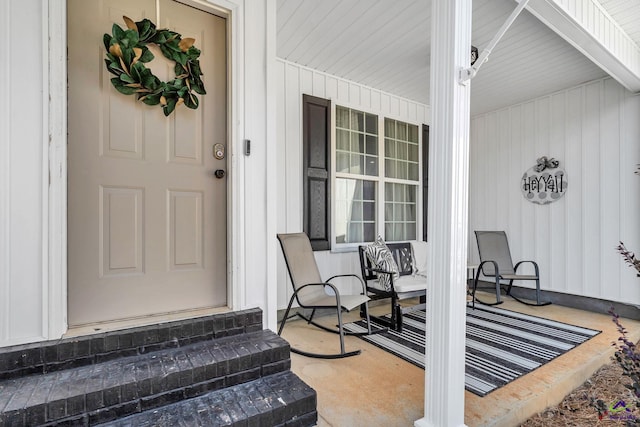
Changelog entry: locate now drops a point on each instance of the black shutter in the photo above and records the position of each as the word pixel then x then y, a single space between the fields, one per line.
pixel 316 119
pixel 425 179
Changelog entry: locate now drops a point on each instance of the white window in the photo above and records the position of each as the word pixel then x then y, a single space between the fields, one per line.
pixel 377 178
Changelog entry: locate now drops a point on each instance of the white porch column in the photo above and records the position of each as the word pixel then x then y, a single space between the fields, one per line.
pixel 448 217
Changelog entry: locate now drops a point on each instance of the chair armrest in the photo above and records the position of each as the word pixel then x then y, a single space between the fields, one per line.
pixel 535 266
pixel 495 266
pixel 335 290
pixel 379 270
pixel 364 288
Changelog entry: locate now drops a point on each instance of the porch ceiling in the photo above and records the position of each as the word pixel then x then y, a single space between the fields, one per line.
pixel 385 44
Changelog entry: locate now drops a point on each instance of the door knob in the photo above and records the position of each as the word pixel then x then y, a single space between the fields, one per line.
pixel 219 173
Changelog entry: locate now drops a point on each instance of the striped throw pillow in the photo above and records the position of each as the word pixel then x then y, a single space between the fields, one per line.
pixel 380 256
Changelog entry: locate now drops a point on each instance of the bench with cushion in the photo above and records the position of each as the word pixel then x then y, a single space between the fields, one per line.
pixel 383 282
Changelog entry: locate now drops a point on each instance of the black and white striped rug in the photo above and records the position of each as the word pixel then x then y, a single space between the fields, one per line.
pixel 501 345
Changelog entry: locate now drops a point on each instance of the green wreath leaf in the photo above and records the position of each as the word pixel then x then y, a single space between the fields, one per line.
pixel 127 52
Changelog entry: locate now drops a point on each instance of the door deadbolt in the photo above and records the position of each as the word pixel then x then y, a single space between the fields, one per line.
pixel 219 173
pixel 218 151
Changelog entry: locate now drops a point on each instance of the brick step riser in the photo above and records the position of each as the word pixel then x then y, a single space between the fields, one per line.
pixel 105 377
pixel 67 353
pixel 108 406
pixel 276 400
pixel 145 381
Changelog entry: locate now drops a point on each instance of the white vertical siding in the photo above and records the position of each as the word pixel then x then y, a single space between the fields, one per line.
pixel 293 82
pixel 21 179
pixel 593 131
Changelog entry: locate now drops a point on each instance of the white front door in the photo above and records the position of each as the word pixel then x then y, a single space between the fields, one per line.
pixel 146 213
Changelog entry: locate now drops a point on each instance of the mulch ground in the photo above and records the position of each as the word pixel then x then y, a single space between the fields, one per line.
pixel 578 409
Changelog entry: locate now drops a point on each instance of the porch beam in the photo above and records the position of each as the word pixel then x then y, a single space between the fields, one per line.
pixel 448 216
pixel 588 27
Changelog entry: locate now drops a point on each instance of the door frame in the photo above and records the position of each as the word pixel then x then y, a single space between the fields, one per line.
pixel 54 304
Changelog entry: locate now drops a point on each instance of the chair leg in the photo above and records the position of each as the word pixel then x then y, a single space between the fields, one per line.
pixel 286 316
pixel 341 331
pixel 473 291
pixel 342 353
pixel 399 320
pixel 366 314
pixel 537 303
pixel 475 287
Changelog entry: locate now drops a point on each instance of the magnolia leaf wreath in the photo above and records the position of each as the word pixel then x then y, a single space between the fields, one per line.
pixel 127 53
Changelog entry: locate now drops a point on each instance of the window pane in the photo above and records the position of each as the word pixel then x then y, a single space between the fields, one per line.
pixel 369 190
pixel 410 212
pixel 411 193
pixel 369 232
pixel 388 233
pixel 388 192
pixel 356 211
pixel 388 212
pixel 389 128
pixel 372 145
pixel 369 211
pixel 401 170
pixel 390 168
pixel 352 139
pixel 398 232
pixel 400 211
pixel 372 124
pixel 357 164
pixel 371 166
pixel 399 193
pixel 401 131
pixel 353 211
pixel 342 162
pixel 413 152
pixel 357 143
pixel 342 140
pixel 357 120
pixel 410 231
pixel 357 191
pixel 401 147
pixel 390 148
pixel 342 117
pixel 355 233
pixel 413 171
pixel 413 133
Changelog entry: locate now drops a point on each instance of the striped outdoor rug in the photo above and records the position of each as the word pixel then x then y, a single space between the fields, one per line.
pixel 501 346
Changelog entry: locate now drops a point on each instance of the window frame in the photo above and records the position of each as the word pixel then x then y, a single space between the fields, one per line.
pixel 379 180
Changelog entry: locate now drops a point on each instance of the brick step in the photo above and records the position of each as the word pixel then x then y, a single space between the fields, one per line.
pixel 57 355
pixel 277 400
pixel 98 392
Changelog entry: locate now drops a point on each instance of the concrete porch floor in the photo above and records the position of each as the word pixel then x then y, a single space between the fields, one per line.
pixel 376 388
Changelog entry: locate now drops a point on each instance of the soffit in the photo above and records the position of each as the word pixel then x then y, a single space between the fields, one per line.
pixel 385 44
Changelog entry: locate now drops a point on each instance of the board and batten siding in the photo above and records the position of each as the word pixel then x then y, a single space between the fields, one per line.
pixel 294 81
pixel 594 131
